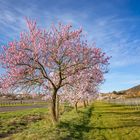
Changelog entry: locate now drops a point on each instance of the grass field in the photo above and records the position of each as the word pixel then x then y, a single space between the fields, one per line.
pixel 114 122
pixel 100 121
pixel 13 122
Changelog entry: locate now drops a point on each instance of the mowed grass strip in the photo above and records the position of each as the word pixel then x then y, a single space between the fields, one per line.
pixel 114 122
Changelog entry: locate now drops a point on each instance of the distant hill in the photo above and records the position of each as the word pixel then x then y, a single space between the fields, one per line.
pixel 135 89
pixel 133 92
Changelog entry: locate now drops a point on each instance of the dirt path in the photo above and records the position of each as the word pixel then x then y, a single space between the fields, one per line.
pixel 15 108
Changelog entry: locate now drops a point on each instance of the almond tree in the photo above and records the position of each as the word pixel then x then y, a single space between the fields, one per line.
pixel 47 59
pixel 84 87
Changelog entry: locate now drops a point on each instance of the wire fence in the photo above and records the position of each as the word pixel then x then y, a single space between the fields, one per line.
pixel 129 101
pixel 133 103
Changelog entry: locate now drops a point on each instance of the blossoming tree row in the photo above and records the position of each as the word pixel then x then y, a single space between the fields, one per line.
pixel 55 60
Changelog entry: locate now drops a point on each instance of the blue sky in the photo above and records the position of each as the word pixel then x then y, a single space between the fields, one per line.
pixel 113 24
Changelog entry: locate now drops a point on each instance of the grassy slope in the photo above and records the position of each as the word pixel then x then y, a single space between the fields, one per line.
pixel 98 122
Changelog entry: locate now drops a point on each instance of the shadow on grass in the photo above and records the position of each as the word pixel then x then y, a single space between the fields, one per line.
pixel 77 126
pixel 128 122
pixel 115 127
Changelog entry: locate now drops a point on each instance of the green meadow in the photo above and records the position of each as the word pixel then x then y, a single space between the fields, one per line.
pixel 99 121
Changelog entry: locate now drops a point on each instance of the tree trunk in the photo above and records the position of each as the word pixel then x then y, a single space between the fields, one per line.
pixel 53 108
pixel 57 108
pixel 85 104
pixel 76 107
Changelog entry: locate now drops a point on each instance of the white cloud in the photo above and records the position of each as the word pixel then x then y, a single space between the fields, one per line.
pixel 117 36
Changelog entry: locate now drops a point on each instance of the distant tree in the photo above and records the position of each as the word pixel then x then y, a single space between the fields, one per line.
pixel 84 89
pixel 114 92
pixel 121 92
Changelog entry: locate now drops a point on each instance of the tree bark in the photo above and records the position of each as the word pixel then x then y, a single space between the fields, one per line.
pixel 85 104
pixel 53 107
pixel 76 108
pixel 57 108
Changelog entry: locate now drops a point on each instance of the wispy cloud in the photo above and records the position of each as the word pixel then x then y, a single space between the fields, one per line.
pixel 13 19
pixel 116 34
pixel 121 42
